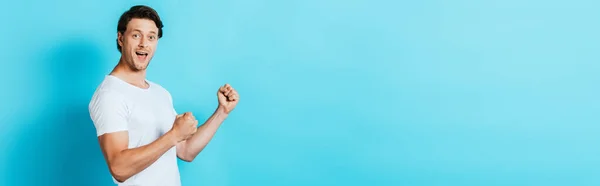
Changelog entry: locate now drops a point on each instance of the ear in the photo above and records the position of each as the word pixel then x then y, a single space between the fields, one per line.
pixel 120 39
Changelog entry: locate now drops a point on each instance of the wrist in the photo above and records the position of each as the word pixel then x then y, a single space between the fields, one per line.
pixel 222 111
pixel 172 137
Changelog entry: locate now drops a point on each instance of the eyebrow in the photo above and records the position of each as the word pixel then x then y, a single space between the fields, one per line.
pixel 137 30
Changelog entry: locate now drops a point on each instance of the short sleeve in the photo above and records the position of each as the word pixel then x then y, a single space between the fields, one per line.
pixel 171 104
pixel 109 112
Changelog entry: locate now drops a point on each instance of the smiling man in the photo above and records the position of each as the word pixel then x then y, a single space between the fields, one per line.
pixel 140 134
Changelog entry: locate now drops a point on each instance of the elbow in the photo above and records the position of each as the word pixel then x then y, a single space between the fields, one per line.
pixel 119 174
pixel 187 158
pixel 119 179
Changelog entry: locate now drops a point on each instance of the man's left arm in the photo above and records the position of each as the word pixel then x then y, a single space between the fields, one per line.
pixel 188 150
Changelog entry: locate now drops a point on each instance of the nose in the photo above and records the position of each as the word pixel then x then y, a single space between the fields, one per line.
pixel 143 43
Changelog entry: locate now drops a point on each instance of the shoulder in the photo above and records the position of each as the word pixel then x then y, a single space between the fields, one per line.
pixel 110 85
pixel 107 95
pixel 109 91
pixel 107 99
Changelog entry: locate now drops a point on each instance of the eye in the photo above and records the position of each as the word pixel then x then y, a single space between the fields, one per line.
pixel 136 35
pixel 152 37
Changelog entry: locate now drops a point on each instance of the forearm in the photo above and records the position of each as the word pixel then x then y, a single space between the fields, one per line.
pixel 203 135
pixel 132 161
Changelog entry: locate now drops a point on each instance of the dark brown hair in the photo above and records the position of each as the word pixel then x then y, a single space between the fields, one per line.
pixel 141 12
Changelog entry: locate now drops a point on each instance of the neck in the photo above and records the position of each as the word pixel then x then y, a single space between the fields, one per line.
pixel 129 75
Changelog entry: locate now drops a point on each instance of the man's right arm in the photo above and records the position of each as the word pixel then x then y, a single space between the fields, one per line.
pixel 124 162
pixel 109 114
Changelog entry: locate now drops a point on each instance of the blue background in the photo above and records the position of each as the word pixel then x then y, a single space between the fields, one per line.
pixel 337 92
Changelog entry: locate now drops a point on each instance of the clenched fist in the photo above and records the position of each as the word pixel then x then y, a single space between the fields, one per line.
pixel 228 98
pixel 184 126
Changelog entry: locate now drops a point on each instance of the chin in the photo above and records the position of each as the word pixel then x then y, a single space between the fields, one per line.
pixel 141 66
pixel 137 66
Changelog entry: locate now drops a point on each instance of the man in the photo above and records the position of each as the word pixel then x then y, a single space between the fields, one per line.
pixel 139 131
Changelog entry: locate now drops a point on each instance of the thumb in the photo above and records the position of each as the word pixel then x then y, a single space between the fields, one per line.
pixel 188 115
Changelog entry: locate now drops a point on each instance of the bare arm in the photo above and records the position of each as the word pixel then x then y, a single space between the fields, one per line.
pixel 123 162
pixel 188 150
pixel 228 98
pixel 109 113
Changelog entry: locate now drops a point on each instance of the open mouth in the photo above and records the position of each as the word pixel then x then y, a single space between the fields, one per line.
pixel 141 54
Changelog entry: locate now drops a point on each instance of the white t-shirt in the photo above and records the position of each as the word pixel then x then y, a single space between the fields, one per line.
pixel 146 114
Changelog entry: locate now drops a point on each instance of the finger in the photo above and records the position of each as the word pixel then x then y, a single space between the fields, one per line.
pixel 188 115
pixel 194 124
pixel 234 95
pixel 179 115
pixel 231 97
pixel 228 93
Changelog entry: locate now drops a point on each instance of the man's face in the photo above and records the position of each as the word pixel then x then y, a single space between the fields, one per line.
pixel 138 43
